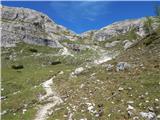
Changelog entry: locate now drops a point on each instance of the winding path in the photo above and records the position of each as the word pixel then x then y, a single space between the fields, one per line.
pixel 52 99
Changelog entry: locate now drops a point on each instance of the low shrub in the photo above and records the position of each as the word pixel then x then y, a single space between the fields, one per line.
pixel 33 50
pixel 55 62
pixel 17 66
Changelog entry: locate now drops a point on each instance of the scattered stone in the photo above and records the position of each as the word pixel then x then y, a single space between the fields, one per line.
pixel 109 115
pixel 2 89
pixel 23 111
pixel 70 116
pixel 140 104
pixel 136 118
pixel 141 96
pixel 3 112
pixel 91 108
pixel 65 116
pixel 149 115
pixel 129 88
pixel 83 119
pixel 3 97
pixel 158 117
pixel 151 109
pixel 112 102
pixel 130 102
pixel 112 44
pixel 127 44
pixel 65 52
pixel 82 85
pixel 120 89
pixel 146 93
pixel 129 113
pixel 61 72
pixel 109 67
pixel 78 71
pixel 130 107
pixel 50 112
pixel 156 100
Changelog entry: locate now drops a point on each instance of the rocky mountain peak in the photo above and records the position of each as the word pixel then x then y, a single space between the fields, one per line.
pixel 119 28
pixel 30 26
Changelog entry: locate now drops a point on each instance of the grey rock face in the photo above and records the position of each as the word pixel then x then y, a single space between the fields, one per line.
pixel 119 28
pixel 30 26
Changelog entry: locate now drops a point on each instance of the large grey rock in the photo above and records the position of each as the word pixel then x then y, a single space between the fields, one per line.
pixel 121 66
pixel 30 26
pixel 148 115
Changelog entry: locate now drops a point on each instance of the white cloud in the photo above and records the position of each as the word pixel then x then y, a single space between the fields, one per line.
pixel 73 11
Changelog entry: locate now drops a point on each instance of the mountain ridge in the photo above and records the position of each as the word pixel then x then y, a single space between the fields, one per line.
pixel 27 21
pixel 45 28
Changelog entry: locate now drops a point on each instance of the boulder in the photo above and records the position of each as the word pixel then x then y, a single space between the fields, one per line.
pixel 148 115
pixel 121 66
pixel 112 44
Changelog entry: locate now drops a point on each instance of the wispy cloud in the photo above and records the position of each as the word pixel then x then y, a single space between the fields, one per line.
pixel 73 11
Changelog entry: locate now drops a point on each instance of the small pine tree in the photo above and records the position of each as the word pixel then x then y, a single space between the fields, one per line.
pixel 157 12
pixel 148 25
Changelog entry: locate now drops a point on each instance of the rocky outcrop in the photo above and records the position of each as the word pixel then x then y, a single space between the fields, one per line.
pixel 33 27
pixel 119 28
pixel 30 26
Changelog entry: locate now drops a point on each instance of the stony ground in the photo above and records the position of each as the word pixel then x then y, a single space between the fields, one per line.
pixel 124 87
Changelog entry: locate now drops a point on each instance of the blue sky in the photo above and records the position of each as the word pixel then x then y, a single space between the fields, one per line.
pixel 83 16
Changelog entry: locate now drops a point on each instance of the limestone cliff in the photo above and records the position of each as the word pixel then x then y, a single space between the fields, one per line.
pixel 119 28
pixel 30 26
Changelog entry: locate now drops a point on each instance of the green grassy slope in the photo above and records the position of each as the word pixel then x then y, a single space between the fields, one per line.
pixel 140 84
pixel 96 85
